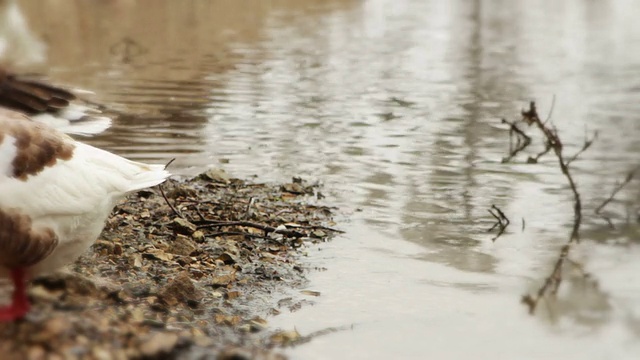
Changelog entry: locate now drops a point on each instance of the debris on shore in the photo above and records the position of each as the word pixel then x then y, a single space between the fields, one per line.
pixel 187 270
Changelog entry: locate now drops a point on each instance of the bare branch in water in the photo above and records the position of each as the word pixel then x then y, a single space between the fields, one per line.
pixel 531 117
pixel 585 146
pixel 501 221
pixel 534 159
pixel 204 224
pixel 522 140
pixel 615 191
pixel 553 281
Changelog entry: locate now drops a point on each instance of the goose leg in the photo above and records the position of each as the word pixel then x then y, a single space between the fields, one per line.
pixel 20 302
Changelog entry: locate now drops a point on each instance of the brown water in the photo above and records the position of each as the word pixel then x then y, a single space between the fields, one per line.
pixel 395 107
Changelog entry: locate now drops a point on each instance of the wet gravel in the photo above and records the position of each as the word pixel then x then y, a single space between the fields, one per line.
pixel 189 270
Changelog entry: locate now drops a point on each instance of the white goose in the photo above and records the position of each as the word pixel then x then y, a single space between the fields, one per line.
pixel 55 195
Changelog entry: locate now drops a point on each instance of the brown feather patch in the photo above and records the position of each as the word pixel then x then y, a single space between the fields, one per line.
pixel 38 146
pixel 20 244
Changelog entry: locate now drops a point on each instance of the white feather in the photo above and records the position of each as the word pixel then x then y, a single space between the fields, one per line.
pixel 8 152
pixel 76 124
pixel 76 119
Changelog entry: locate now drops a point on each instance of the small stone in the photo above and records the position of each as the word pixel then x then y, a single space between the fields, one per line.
pixel 216 294
pixel 137 289
pixel 42 293
pixel 101 354
pixel 181 290
pixel 216 175
pixel 158 344
pixel 283 338
pixel 105 245
pixel 310 292
pixel 198 235
pixel 183 226
pixel 227 258
pixel 230 320
pixel 319 234
pixel 36 353
pixel 244 328
pixel 181 191
pixel 223 280
pixel 233 294
pixel 294 188
pixel 182 245
pixel 117 249
pixel 158 254
pixel 136 260
pixel 258 324
pixel 235 354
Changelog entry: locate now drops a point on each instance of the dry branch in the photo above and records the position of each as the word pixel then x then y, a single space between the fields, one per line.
pixel 501 221
pixel 266 228
pixel 553 142
pixel 615 191
pixel 522 140
pixel 531 117
pixel 585 146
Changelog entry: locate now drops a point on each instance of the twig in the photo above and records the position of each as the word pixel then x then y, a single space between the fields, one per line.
pixel 211 202
pixel 502 215
pixel 553 106
pixel 497 223
pixel 232 233
pixel 175 211
pixel 522 140
pixel 305 339
pixel 585 146
pixel 501 221
pixel 553 281
pixel 266 228
pixel 169 163
pixel 534 159
pixel 200 215
pixel 320 227
pixel 615 191
pixel 531 117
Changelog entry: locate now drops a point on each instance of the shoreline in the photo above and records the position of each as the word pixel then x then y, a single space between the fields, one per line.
pixel 187 270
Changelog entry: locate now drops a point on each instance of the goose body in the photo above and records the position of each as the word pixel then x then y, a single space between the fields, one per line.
pixel 55 195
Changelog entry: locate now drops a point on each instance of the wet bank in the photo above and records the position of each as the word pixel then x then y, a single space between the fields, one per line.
pixel 189 270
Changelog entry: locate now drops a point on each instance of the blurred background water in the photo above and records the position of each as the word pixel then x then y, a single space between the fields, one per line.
pixel 395 107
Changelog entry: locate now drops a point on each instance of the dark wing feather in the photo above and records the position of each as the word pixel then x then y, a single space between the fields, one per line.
pixel 30 96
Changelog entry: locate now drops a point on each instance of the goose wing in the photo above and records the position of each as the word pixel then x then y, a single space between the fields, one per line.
pixel 45 173
pixel 51 105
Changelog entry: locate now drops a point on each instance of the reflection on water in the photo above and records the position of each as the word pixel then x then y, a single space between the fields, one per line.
pixel 395 106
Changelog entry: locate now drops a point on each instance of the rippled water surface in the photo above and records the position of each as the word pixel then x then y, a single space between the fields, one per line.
pixel 395 107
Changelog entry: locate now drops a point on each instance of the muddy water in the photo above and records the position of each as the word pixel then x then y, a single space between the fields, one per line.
pixel 395 107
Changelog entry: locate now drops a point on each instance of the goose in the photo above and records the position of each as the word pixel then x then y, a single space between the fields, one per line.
pixel 52 105
pixel 55 196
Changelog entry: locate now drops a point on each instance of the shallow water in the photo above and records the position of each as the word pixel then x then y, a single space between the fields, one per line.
pixel 395 107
